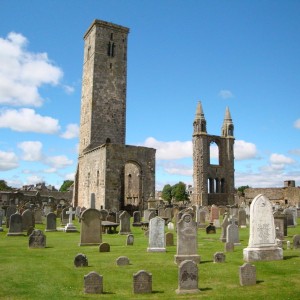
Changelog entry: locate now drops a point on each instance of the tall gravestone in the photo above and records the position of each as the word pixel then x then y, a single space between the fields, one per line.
pixel 51 222
pixel 187 242
pixel 232 233
pixel 224 225
pixel 15 225
pixel 1 219
pixel 28 219
pixel 90 233
pixel 10 211
pixel 124 223
pixel 262 244
pixel 136 218
pixel 157 242
pixel 38 216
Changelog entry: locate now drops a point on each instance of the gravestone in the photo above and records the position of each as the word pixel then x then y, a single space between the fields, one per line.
pixel 151 215
pixel 80 260
pixel 211 229
pixel 15 225
pixel 129 240
pixel 10 211
pixel 104 247
pixel 122 261
pixel 224 225
pixel 187 278
pixel 93 283
pixel 124 223
pixel 201 218
pixel 103 214
pixel 161 212
pixel 242 218
pixel 1 219
pixel 262 244
pixel 38 216
pixel 111 217
pixel 232 233
pixel 170 226
pixel 219 257
pixel 280 225
pixel 28 219
pixel 146 214
pixel 90 232
pixel 136 218
pixel 37 239
pixel 247 274
pixel 168 213
pixel 142 282
pixel 169 239
pixel 229 247
pixel 70 226
pixel 156 235
pixel 296 241
pixel 187 240
pixel 51 222
pixel 93 201
pixel 214 213
pixel 64 217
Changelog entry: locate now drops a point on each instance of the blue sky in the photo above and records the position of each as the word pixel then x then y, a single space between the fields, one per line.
pixel 240 54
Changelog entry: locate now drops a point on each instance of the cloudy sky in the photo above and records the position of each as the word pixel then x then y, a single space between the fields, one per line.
pixel 240 54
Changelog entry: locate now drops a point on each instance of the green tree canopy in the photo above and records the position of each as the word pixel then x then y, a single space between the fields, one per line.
pixel 166 193
pixel 66 185
pixel 4 186
pixel 242 188
pixel 179 192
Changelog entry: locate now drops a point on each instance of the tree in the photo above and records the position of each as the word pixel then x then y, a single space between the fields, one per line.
pixel 4 186
pixel 179 192
pixel 242 188
pixel 166 193
pixel 65 186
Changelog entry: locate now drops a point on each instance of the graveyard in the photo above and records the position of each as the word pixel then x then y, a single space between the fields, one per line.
pixel 50 273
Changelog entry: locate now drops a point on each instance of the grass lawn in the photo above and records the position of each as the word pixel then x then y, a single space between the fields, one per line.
pixel 49 273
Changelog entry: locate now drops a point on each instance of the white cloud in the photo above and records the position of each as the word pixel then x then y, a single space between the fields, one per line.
pixel 70 176
pixel 170 150
pixel 58 162
pixel 34 179
pixel 295 151
pixel 32 151
pixel 225 94
pixel 244 150
pixel 23 72
pixel 68 89
pixel 27 120
pixel 297 124
pixel 8 161
pixel 280 159
pixel 71 132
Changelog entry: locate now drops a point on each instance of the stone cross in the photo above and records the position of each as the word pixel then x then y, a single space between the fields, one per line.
pixel 70 213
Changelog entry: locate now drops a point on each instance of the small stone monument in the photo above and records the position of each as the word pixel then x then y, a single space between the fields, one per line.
pixel 15 225
pixel 80 260
pixel 296 241
pixel 124 223
pixel 247 274
pixel 93 283
pixel 130 240
pixel 232 233
pixel 142 282
pixel 70 226
pixel 157 241
pixel 169 239
pixel 229 247
pixel 211 229
pixel 37 239
pixel 262 244
pixel 51 222
pixel 187 278
pixel 122 261
pixel 219 257
pixel 104 247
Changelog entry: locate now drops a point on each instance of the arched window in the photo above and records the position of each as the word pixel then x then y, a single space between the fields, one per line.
pixel 214 154
pixel 222 185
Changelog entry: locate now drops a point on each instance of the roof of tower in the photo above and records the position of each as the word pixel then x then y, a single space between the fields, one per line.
pixel 227 114
pixel 199 112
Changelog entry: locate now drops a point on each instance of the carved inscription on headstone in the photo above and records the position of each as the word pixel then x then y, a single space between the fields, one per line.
pixel 247 274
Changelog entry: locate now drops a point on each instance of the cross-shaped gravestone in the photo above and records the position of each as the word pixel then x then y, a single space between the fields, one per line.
pixel 70 213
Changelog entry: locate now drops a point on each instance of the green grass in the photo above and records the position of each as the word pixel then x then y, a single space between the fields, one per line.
pixel 50 273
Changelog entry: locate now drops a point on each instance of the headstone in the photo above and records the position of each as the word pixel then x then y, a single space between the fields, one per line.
pixel 224 225
pixel 10 211
pixel 64 217
pixel 38 216
pixel 214 213
pixel 288 245
pixel 157 241
pixel 289 217
pixel 232 234
pixel 136 218
pixel 103 214
pixel 104 247
pixel 187 240
pixel 161 212
pixel 280 225
pixel 122 261
pixel 168 213
pixel 111 217
pixel 146 214
pixel 242 218
pixel 170 226
pixel 187 278
pixel 1 219
pixel 247 274
pixel 15 225
pixel 201 218
pixel 80 260
pixel 129 240
pixel 262 244
pixel 93 201
pixel 296 241
pixel 93 283
pixel 124 223
pixel 229 247
pixel 28 219
pixel 51 222
pixel 37 239
pixel 219 257
pixel 211 229
pixel 142 282
pixel 70 226
pixel 152 215
pixel 90 233
pixel 169 239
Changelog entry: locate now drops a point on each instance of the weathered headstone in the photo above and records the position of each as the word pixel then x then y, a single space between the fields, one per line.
pixel 142 282
pixel 210 229
pixel 280 225
pixel 122 261
pixel 229 247
pixel 187 278
pixel 93 283
pixel 1 219
pixel 187 242
pixel 214 213
pixel 296 241
pixel 201 218
pixel 247 274
pixel 124 223
pixel 136 218
pixel 129 240
pixel 169 239
pixel 28 219
pixel 219 257
pixel 70 226
pixel 51 222
pixel 156 235
pixel 262 244
pixel 103 214
pixel 242 218
pixel 38 216
pixel 151 215
pixel 90 233
pixel 104 247
pixel 10 211
pixel 15 225
pixel 64 217
pixel 232 233
pixel 168 213
pixel 37 239
pixel 80 260
pixel 170 226
pixel 224 225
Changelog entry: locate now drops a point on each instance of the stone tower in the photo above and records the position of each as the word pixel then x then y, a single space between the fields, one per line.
pixel 110 174
pixel 213 180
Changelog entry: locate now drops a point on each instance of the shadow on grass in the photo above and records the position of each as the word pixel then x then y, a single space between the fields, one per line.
pixel 205 289
pixel 259 281
pixel 205 261
pixel 157 292
pixel 108 293
pixel 289 257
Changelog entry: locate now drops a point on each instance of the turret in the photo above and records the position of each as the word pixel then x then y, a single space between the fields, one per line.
pixel 227 127
pixel 199 122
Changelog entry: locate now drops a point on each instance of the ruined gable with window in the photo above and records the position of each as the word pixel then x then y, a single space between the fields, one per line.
pixel 110 174
pixel 213 180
